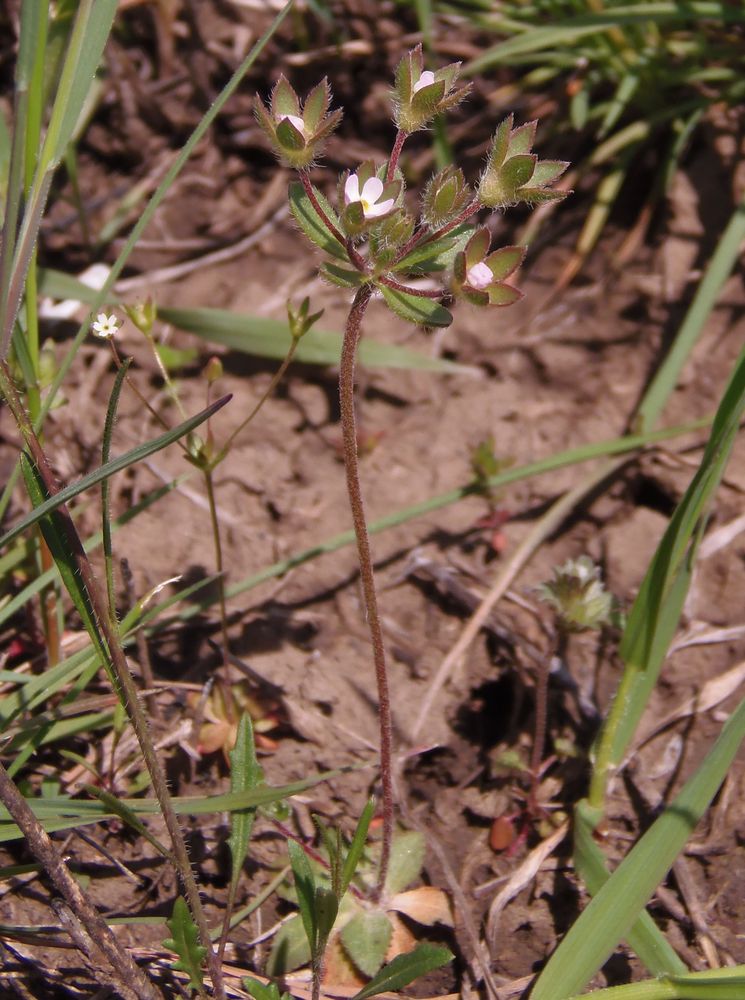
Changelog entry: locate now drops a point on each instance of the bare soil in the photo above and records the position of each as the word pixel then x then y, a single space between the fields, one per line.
pixel 562 369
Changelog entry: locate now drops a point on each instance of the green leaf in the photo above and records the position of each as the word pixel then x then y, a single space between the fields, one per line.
pixel 366 938
pixel 290 949
pixel 305 888
pixel 115 465
pixel 326 909
pixel 437 254
pixel 90 32
pixel 407 858
pixel 406 968
pixel 416 308
pixel 346 277
pixel 310 221
pixel 357 846
pixel 264 991
pixel 55 533
pixel 185 942
pixel 246 774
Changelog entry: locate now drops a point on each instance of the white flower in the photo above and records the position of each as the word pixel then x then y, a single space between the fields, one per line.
pixel 294 120
pixel 105 326
pixel 368 198
pixel 479 275
pixel 425 80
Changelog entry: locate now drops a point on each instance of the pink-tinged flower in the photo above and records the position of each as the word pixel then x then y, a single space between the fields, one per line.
pixel 294 120
pixel 425 80
pixel 479 275
pixel 372 189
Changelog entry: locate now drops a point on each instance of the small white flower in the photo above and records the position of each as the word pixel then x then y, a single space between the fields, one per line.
pixel 425 80
pixel 479 275
pixel 294 120
pixel 368 197
pixel 105 326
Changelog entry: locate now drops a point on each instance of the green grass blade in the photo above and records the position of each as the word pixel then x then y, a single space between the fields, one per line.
pixel 65 813
pixel 571 457
pixel 645 938
pixel 726 255
pixel 264 337
pixel 115 465
pixel 108 430
pixel 611 913
pixel 158 196
pixel 85 48
pixel 270 338
pixel 58 542
pixel 656 611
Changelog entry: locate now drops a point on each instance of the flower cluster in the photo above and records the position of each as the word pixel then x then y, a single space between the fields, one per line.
pixel 578 596
pixel 371 206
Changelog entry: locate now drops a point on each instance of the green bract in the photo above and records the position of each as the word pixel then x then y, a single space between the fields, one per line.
pixel 514 174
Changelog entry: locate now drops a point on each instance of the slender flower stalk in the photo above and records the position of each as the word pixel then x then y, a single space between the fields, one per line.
pixel 352 334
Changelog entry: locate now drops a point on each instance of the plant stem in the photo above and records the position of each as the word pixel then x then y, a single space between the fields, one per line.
pixel 217 544
pixel 398 145
pixel 308 188
pixel 129 975
pixel 423 235
pixel 352 334
pixel 423 293
pixel 121 670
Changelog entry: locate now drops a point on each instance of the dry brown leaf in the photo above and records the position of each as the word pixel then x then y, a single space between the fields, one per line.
pixel 426 905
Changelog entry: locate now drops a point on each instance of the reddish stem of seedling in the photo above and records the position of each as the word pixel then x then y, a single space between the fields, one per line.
pixel 308 188
pixel 398 145
pixel 352 333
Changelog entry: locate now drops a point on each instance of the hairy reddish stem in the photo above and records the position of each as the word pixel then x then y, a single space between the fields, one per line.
pixel 352 333
pixel 423 293
pixel 398 145
pixel 308 188
pixel 424 235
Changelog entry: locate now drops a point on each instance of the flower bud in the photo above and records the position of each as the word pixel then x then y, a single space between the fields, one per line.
pixel 420 94
pixel 297 134
pixel 513 173
pixel 143 315
pixel 298 319
pixel 479 276
pixel 446 195
pixel 578 596
pixel 213 369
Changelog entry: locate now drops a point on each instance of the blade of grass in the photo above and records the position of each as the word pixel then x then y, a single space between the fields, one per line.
pixel 115 465
pixel 657 608
pixel 611 913
pixel 63 814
